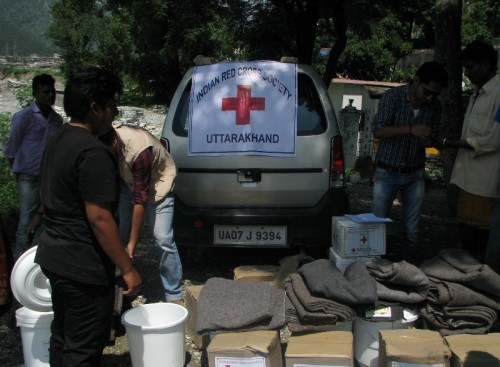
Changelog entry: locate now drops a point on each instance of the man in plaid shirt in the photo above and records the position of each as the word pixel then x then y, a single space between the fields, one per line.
pixel 407 121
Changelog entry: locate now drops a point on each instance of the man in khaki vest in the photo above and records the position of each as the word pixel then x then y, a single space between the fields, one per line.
pixel 148 172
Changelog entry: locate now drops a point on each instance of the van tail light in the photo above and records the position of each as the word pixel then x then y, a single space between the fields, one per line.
pixel 165 143
pixel 337 163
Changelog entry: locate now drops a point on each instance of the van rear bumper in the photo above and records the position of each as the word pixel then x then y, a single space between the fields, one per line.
pixel 306 227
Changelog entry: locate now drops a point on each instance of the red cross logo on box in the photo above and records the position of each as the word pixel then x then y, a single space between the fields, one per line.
pixel 363 239
pixel 243 104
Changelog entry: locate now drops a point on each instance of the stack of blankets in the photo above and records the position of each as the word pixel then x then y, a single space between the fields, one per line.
pixel 456 294
pixel 319 296
pixel 464 294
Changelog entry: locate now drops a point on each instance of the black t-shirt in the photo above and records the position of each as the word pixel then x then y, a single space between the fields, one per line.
pixel 76 167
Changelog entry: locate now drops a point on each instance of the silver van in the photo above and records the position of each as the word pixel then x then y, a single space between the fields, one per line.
pixel 260 201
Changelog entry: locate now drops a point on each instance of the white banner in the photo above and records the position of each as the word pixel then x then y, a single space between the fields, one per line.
pixel 243 108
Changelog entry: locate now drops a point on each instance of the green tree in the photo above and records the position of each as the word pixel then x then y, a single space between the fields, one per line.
pixel 480 20
pixel 167 35
pixel 155 41
pixel 89 35
pixel 73 30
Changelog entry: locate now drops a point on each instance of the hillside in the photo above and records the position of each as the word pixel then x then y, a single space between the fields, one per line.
pixel 23 24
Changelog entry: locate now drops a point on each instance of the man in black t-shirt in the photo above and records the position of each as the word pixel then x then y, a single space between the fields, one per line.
pixel 81 245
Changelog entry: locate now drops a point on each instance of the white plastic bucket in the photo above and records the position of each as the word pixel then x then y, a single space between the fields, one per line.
pixel 365 334
pixel 35 336
pixel 156 334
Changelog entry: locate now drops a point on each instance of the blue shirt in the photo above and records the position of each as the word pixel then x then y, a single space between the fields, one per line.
pixel 394 109
pixel 29 131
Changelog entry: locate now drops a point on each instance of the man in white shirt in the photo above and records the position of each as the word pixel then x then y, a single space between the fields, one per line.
pixel 477 166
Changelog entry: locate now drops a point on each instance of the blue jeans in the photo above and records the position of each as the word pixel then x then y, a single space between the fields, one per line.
pixel 492 257
pixel 160 217
pixel 412 187
pixel 28 188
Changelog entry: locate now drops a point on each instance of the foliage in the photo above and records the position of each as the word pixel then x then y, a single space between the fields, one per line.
pixel 434 174
pixel 399 75
pixel 24 95
pixel 73 29
pixel 155 41
pixel 18 72
pixel 8 188
pixel 480 20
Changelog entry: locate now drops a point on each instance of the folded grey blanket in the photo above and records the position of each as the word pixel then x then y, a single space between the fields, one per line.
pixel 355 286
pixel 398 282
pixel 296 325
pixel 228 305
pixel 458 266
pixel 457 295
pixel 458 320
pixel 314 309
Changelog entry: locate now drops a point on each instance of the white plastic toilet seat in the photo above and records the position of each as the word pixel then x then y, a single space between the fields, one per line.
pixel 29 285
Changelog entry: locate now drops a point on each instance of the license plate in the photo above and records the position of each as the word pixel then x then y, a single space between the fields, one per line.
pixel 250 235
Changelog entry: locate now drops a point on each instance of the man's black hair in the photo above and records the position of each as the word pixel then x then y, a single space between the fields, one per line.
pixel 479 51
pixel 87 86
pixel 42 79
pixel 433 71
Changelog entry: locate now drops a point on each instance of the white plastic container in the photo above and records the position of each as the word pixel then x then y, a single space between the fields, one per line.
pixel 32 289
pixel 35 336
pixel 156 334
pixel 365 333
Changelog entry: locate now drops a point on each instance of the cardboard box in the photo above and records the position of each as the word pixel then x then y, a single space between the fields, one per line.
pixel 343 263
pixel 352 239
pixel 330 348
pixel 253 273
pixel 413 347
pixel 252 348
pixel 192 295
pixel 474 350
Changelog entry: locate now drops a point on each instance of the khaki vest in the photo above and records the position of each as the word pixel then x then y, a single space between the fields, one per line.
pixel 163 170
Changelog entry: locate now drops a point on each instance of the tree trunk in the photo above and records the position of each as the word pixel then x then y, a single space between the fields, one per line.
pixel 308 20
pixel 447 50
pixel 340 29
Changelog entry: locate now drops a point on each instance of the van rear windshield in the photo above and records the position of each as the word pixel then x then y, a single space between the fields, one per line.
pixel 311 118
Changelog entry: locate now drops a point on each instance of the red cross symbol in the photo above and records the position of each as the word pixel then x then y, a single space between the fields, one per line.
pixel 243 104
pixel 363 239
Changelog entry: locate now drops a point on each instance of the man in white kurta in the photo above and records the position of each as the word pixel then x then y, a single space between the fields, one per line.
pixel 477 166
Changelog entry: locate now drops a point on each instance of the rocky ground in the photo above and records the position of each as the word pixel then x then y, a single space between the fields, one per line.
pixel 437 231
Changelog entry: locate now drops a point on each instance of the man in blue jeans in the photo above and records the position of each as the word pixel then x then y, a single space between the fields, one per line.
pixel 148 173
pixel 29 131
pixel 407 120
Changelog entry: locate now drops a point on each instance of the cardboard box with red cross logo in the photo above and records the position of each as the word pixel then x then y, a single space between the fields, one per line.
pixel 352 239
